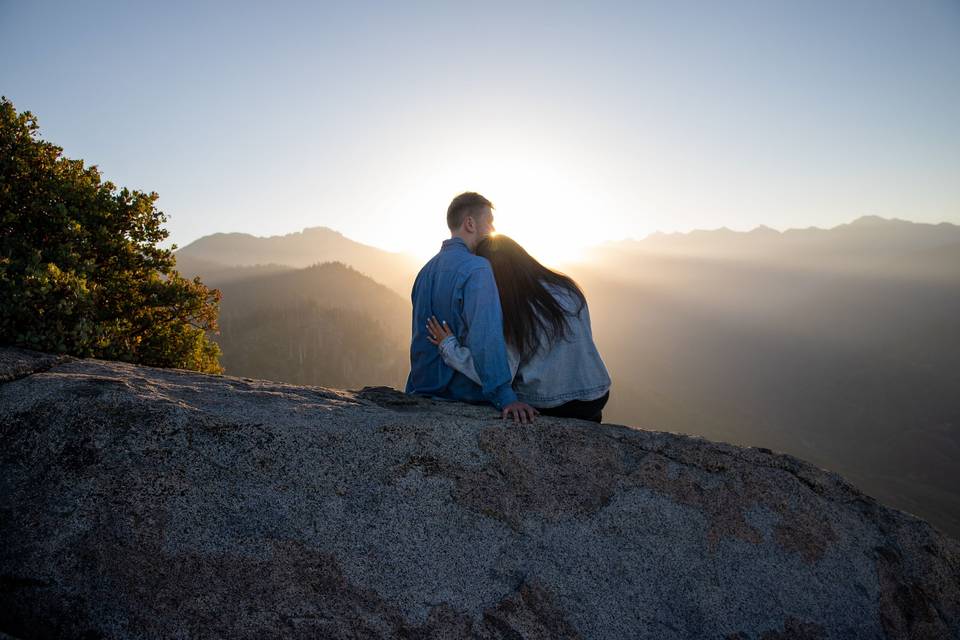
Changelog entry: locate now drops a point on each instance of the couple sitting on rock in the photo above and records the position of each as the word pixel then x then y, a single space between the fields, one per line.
pixel 491 324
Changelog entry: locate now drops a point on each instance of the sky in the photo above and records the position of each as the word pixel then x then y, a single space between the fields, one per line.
pixel 582 122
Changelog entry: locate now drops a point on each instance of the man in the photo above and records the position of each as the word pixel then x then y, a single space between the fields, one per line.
pixel 458 287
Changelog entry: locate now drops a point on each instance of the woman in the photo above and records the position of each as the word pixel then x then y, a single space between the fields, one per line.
pixel 546 324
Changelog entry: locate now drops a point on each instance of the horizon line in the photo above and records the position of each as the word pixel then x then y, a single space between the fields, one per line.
pixel 863 219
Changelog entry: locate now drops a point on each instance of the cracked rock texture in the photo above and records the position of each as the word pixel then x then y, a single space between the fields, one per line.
pixel 144 503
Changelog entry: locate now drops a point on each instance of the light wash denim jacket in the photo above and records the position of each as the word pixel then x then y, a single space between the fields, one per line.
pixel 568 369
pixel 458 287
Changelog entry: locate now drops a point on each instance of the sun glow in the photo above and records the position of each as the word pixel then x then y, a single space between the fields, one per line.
pixel 539 199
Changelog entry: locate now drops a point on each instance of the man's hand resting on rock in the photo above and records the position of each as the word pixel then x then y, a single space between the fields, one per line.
pixel 521 412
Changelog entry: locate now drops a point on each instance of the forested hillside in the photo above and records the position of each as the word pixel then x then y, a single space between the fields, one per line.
pixel 326 325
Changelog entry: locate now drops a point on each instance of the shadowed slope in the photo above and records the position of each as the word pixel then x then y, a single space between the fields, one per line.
pixel 325 324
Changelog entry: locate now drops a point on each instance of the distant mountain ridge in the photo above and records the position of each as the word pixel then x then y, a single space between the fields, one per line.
pixel 898 248
pixel 865 234
pixel 297 250
pixel 861 223
pixel 867 237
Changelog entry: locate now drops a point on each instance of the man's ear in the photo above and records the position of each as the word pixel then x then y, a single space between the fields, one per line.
pixel 469 224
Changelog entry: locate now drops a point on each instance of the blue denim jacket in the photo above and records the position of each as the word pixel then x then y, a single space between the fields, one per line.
pixel 568 369
pixel 458 287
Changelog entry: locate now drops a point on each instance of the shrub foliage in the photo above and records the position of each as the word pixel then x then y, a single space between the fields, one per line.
pixel 80 269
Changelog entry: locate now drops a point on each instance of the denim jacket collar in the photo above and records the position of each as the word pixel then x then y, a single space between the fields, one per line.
pixel 454 243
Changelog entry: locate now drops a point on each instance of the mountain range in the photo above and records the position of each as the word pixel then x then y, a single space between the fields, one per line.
pixel 298 250
pixel 868 243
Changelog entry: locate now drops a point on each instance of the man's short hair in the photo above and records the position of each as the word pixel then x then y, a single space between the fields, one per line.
pixel 465 204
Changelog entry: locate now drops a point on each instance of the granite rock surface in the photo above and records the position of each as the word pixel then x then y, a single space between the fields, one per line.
pixel 143 503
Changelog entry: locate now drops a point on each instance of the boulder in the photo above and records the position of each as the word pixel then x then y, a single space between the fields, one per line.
pixel 140 503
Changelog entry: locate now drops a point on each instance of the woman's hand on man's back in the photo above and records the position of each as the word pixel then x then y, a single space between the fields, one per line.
pixel 437 332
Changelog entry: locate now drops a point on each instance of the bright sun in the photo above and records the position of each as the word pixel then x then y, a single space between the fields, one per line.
pixel 539 202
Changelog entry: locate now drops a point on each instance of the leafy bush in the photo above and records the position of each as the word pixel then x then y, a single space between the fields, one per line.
pixel 80 269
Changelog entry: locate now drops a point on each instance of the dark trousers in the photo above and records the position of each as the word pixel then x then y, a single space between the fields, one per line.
pixel 583 409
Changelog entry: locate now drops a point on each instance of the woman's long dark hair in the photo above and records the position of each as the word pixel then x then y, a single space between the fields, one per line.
pixel 528 306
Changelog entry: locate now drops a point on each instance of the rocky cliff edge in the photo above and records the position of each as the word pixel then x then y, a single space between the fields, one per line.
pixel 142 502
